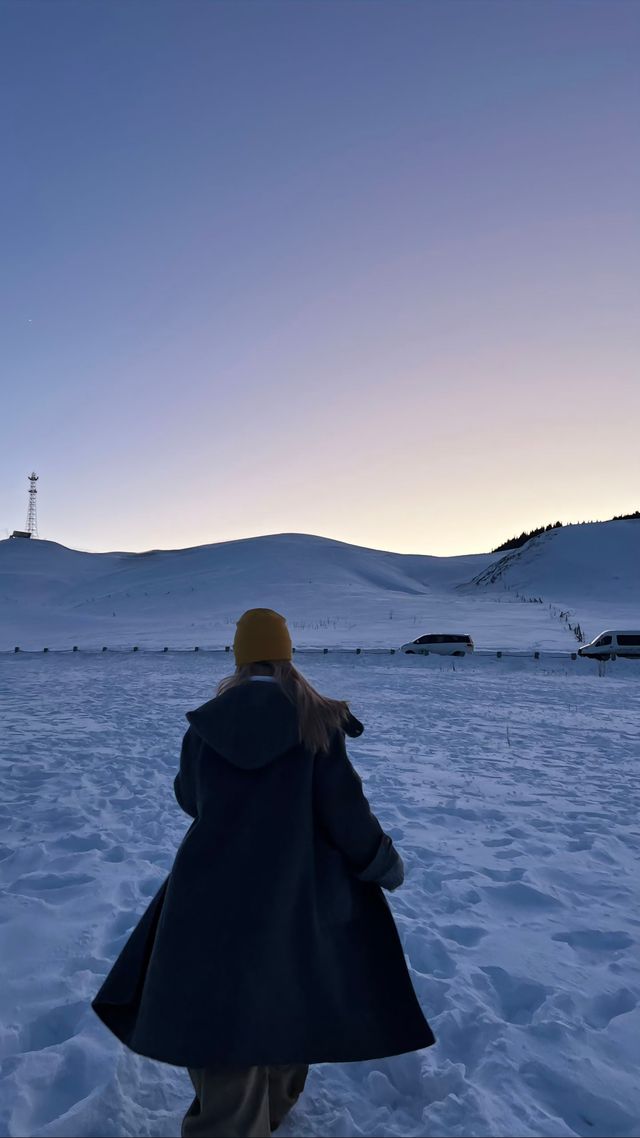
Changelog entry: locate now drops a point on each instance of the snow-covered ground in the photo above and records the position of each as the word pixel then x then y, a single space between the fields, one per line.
pixel 512 791
pixel 332 593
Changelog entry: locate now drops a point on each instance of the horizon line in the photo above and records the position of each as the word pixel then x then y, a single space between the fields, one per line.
pixel 300 533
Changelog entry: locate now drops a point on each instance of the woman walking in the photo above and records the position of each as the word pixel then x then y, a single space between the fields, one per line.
pixel 270 946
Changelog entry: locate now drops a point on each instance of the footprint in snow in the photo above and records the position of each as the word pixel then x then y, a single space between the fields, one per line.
pixel 77 843
pixel 581 1111
pixel 517 895
pixel 517 998
pixel 97 966
pixel 53 1027
pixel 466 935
pixel 609 1005
pixel 35 882
pixel 503 874
pixel 595 940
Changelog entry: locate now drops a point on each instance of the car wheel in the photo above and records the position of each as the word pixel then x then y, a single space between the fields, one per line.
pixel 458 653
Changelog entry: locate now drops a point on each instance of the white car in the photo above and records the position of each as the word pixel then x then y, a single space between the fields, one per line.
pixel 612 643
pixel 444 644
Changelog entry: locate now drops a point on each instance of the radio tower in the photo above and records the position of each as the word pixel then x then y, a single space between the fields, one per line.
pixel 32 513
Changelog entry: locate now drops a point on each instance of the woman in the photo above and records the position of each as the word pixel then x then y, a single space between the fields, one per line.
pixel 270 946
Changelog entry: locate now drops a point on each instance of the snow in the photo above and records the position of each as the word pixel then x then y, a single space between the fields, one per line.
pixel 511 788
pixel 333 594
pixel 592 569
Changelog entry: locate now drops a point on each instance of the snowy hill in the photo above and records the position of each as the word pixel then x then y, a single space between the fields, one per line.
pixel 593 570
pixel 331 592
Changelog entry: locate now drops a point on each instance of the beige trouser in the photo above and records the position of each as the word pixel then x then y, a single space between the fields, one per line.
pixel 241 1102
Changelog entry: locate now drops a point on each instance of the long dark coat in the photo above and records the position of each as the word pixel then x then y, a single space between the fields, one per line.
pixel 270 941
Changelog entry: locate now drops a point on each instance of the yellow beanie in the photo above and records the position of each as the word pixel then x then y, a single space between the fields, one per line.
pixel 261 634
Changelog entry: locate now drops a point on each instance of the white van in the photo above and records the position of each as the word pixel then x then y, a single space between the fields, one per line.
pixel 444 644
pixel 612 643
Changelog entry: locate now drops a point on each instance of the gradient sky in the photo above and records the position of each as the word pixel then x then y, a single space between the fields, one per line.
pixel 363 269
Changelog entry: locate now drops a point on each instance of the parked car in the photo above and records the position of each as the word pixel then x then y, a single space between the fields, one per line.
pixel 444 644
pixel 612 643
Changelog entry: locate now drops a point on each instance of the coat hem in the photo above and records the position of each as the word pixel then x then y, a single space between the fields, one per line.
pixel 256 1059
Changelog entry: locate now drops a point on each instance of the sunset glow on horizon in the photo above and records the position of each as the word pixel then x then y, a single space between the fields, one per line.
pixel 363 270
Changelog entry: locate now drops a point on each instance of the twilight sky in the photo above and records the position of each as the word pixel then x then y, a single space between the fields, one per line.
pixel 361 268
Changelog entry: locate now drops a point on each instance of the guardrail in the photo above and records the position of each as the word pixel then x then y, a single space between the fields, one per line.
pixel 498 653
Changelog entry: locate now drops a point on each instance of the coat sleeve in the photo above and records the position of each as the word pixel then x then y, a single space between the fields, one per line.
pixel 184 782
pixel 346 817
pixel 386 868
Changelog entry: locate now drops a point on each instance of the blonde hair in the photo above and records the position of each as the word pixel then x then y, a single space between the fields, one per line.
pixel 319 717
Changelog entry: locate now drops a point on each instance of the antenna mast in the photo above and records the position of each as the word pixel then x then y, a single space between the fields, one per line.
pixel 32 513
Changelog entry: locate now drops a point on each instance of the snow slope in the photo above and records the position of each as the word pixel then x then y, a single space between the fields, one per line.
pixel 592 568
pixel 332 593
pixel 512 791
